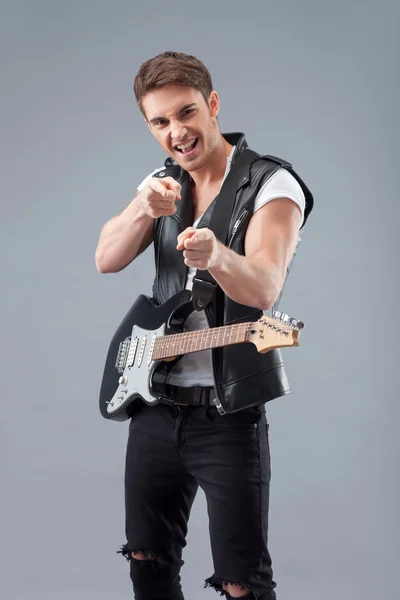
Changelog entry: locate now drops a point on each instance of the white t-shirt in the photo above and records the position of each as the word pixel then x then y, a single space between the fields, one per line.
pixel 196 368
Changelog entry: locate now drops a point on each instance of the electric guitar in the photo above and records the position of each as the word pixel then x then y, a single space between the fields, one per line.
pixel 147 343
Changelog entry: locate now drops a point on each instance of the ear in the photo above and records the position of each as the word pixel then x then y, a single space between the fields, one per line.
pixel 214 104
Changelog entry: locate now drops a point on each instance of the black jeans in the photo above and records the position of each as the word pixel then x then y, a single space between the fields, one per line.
pixel 171 451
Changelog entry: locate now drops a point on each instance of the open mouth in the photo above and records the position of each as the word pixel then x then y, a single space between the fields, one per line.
pixel 188 147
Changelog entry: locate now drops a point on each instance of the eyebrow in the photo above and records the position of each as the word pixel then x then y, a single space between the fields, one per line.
pixel 186 107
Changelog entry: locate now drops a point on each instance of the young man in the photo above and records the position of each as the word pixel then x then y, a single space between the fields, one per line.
pixel 212 431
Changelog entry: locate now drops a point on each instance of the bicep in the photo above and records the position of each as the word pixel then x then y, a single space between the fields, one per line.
pixel 273 231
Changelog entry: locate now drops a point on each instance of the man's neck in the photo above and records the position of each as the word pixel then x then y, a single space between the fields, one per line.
pixel 215 167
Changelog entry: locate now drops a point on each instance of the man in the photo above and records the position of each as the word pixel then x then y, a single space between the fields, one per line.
pixel 211 431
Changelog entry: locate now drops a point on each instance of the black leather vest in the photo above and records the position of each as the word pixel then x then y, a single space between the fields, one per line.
pixel 243 377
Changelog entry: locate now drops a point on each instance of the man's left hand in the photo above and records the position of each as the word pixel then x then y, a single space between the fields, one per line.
pixel 200 247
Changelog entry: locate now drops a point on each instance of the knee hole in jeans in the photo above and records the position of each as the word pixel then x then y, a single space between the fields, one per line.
pixel 143 556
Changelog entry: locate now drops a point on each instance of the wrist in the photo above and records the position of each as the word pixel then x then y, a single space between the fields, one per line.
pixel 136 211
pixel 218 259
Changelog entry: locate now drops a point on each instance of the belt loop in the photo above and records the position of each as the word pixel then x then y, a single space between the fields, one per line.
pixel 197 395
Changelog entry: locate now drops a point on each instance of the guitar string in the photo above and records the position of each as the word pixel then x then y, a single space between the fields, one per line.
pixel 194 341
pixel 206 338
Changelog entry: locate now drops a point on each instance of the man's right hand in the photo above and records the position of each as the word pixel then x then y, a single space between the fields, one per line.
pixel 158 197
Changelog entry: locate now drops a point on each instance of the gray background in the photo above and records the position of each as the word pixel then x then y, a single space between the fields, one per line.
pixel 313 82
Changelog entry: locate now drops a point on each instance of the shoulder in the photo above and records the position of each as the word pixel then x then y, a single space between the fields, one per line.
pixel 149 176
pixel 282 184
pixel 282 179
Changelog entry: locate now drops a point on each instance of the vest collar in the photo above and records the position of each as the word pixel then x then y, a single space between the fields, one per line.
pixel 236 139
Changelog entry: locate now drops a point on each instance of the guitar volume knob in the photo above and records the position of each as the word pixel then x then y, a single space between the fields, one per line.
pixel 123 380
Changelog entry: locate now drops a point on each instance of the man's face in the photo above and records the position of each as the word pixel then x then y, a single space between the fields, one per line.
pixel 183 123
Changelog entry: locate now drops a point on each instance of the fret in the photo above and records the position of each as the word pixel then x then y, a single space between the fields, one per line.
pixel 202 339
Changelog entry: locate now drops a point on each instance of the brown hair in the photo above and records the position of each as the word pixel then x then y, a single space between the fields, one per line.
pixel 172 68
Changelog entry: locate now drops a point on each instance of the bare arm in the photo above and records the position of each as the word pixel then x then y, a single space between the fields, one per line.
pixel 123 238
pixel 255 279
pixel 127 235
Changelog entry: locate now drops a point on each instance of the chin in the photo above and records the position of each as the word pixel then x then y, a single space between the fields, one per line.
pixel 191 166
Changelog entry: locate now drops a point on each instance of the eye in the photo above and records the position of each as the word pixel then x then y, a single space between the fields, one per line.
pixel 159 123
pixel 188 111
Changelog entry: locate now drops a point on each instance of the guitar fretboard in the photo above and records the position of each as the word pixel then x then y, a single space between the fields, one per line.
pixel 203 339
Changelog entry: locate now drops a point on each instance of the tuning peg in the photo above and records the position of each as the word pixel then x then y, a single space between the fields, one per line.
pixel 287 320
pixel 296 323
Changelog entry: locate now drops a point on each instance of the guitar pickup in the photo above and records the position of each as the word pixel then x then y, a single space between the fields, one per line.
pixel 122 355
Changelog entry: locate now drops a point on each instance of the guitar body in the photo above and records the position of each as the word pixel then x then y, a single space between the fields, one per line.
pixel 130 375
pixel 149 341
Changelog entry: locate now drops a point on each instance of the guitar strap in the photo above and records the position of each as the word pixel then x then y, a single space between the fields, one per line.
pixel 204 284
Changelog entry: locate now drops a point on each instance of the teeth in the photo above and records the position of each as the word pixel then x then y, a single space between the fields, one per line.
pixel 184 146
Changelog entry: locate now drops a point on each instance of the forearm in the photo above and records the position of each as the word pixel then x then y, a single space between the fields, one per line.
pixel 123 238
pixel 248 281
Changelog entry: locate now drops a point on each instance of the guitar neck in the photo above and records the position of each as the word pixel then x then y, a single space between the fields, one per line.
pixel 169 346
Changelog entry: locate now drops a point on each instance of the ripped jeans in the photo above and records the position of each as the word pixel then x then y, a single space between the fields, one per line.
pixel 171 451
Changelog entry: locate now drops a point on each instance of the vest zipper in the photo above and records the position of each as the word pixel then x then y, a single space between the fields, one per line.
pixel 158 257
pixel 237 224
pixel 216 401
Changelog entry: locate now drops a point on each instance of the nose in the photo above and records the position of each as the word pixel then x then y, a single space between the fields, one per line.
pixel 178 132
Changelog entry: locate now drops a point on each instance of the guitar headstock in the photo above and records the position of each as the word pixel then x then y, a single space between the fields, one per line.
pixel 277 331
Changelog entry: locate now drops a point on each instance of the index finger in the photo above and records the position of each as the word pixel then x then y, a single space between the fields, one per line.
pixel 158 186
pixel 187 233
pixel 173 185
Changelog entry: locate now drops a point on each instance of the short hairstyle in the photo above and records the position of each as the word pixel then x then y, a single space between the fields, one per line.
pixel 175 68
